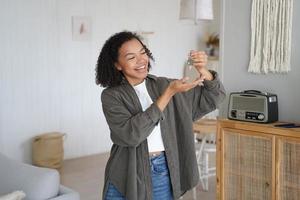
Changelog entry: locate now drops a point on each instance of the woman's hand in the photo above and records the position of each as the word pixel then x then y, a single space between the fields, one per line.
pixel 175 87
pixel 182 85
pixel 199 59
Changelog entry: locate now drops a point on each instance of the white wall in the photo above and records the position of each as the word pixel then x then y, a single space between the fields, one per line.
pixel 47 80
pixel 236 59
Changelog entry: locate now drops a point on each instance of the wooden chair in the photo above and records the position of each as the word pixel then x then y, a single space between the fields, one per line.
pixel 205 131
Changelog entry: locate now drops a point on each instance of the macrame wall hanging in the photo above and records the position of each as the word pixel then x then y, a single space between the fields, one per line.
pixel 271 30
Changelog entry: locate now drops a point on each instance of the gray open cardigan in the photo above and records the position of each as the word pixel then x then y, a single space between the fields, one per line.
pixel 128 167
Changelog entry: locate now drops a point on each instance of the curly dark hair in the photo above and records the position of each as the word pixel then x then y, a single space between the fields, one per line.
pixel 107 74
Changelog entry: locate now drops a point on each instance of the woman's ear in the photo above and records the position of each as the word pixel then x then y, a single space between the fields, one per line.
pixel 118 66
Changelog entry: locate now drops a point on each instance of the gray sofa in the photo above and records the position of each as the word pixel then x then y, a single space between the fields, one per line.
pixel 36 182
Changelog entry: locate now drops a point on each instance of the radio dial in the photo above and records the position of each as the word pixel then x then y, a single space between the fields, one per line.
pixel 261 116
pixel 233 113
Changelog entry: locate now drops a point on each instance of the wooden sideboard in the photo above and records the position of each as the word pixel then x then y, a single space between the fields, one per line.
pixel 257 161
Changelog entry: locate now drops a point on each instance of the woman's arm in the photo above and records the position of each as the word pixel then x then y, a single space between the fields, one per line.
pixel 199 59
pixel 176 86
pixel 130 130
pixel 205 99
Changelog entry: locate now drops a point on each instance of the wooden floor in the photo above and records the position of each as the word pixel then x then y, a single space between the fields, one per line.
pixel 86 175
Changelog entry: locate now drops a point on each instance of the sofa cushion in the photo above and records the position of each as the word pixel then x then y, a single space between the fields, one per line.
pixel 16 195
pixel 37 183
pixel 67 194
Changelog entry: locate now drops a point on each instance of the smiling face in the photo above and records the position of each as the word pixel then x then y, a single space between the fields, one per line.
pixel 133 61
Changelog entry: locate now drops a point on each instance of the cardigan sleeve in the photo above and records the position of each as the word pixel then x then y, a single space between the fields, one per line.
pixel 128 129
pixel 206 98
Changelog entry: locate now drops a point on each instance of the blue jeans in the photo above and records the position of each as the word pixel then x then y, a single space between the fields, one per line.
pixel 161 184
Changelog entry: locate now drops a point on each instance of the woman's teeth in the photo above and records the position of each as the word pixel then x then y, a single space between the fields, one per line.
pixel 142 67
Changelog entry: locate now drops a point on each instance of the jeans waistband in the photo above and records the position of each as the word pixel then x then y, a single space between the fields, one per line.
pixel 155 154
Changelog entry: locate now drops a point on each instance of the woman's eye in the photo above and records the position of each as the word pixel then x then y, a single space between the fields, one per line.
pixel 144 52
pixel 130 58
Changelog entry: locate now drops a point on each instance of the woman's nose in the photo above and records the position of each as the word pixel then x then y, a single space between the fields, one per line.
pixel 141 58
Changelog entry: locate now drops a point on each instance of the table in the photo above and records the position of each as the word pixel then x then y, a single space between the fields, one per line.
pixel 205 126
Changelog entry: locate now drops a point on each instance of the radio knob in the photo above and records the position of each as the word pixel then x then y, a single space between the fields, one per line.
pixel 261 116
pixel 233 113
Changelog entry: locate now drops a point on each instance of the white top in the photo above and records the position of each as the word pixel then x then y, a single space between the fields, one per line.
pixel 155 142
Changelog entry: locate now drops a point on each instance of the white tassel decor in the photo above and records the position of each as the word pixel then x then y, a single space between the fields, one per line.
pixel 271 29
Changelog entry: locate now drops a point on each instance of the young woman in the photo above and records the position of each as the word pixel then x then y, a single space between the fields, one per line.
pixel 150 120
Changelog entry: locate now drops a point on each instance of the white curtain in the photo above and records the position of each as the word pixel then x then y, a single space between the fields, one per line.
pixel 271 29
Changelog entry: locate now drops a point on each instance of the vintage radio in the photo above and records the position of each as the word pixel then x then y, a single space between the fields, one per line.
pixel 253 106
